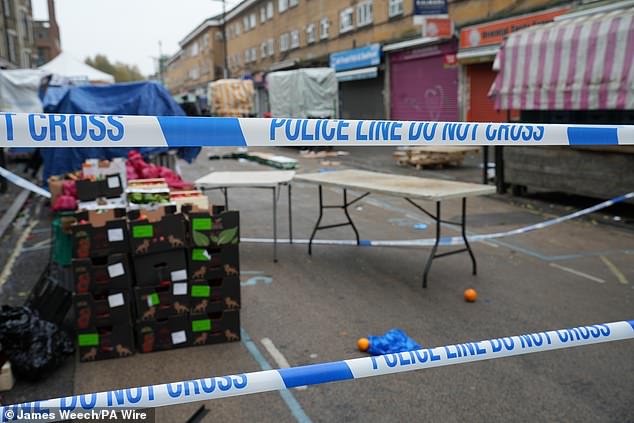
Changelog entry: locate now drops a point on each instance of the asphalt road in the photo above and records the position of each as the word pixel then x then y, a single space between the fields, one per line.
pixel 313 309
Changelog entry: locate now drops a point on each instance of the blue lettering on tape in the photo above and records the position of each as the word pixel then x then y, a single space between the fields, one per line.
pixel 592 136
pixel 182 131
pixel 315 374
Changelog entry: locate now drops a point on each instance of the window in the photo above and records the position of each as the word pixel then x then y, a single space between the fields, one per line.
pixel 269 10
pixel 237 28
pixel 7 7
pixel 205 40
pixel 194 49
pixel 282 5
pixel 284 42
pixel 263 50
pixel 324 25
pixel 245 22
pixel 254 54
pixel 294 39
pixel 293 3
pixel 252 22
pixel 311 37
pixel 262 15
pixel 364 13
pixel 194 73
pixel 270 46
pixel 395 8
pixel 345 20
pixel 247 56
pixel 26 59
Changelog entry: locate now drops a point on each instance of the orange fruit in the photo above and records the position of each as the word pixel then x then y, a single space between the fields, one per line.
pixel 363 344
pixel 470 295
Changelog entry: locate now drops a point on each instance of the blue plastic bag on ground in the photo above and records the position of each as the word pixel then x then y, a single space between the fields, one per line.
pixel 393 341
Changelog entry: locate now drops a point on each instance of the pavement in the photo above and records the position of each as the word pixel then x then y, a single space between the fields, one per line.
pixel 310 309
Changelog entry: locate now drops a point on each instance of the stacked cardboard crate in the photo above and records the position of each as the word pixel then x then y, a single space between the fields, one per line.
pixel 158 245
pixel 213 262
pixel 186 293
pixel 103 280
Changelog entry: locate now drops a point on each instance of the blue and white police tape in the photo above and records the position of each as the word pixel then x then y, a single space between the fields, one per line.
pixel 23 183
pixel 59 130
pixel 275 380
pixel 455 240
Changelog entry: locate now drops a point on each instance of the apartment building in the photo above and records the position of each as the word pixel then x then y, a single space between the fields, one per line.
pixel 388 63
pixel 47 38
pixel 199 61
pixel 16 34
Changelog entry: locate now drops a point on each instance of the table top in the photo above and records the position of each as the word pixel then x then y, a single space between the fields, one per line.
pixel 257 178
pixel 397 185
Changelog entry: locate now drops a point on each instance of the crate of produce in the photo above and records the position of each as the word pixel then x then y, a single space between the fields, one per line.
pixel 156 230
pixel 101 274
pixel 105 342
pixel 163 334
pixel 214 295
pixel 168 266
pixel 100 233
pixel 162 301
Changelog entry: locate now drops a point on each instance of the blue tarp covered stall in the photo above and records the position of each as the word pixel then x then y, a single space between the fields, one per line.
pixel 137 98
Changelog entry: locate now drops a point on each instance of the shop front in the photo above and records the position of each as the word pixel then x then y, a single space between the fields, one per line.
pixel 576 70
pixel 361 81
pixel 423 82
pixel 479 45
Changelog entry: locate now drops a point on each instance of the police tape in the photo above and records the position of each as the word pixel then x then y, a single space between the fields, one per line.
pixel 23 183
pixel 275 380
pixel 70 130
pixel 455 240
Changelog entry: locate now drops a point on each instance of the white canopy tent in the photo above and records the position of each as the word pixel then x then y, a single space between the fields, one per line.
pixel 66 66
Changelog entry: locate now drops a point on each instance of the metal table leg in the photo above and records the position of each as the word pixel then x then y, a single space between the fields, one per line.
pixel 463 225
pixel 290 215
pixel 432 255
pixel 343 206
pixel 225 191
pixel 321 214
pixel 439 221
pixel 275 224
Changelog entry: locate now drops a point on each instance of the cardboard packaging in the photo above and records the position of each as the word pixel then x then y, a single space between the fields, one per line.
pixel 99 275
pixel 95 168
pixel 214 328
pixel 214 296
pixel 104 232
pixel 146 193
pixel 152 269
pixel 110 186
pixel 213 263
pixel 160 302
pixel 213 230
pixel 105 342
pixel 190 200
pixel 111 309
pixel 157 230
pixel 164 334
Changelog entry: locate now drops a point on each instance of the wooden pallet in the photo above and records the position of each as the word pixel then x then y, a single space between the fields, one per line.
pixel 421 157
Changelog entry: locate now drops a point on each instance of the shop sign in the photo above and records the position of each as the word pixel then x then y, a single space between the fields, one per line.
pixel 356 58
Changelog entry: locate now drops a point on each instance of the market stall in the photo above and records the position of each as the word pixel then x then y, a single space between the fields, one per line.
pixel 577 69
pixel 136 98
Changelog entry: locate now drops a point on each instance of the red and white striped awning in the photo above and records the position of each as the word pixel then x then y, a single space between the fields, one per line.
pixel 584 63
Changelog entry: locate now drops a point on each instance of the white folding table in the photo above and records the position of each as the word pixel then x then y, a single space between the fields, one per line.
pixel 408 187
pixel 267 179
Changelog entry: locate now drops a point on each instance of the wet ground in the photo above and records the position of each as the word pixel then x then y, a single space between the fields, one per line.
pixel 310 309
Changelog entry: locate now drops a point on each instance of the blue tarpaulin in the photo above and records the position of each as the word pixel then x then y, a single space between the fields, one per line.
pixel 135 98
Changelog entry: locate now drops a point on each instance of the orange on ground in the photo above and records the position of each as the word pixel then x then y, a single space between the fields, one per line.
pixel 470 295
pixel 363 344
